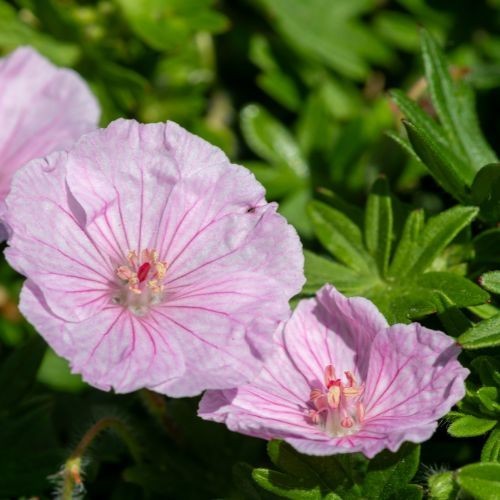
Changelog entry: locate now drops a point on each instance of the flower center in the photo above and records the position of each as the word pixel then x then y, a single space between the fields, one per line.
pixel 141 281
pixel 338 408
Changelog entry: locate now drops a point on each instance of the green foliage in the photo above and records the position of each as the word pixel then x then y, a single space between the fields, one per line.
pixel 403 282
pixel 483 334
pixel 295 91
pixel 454 150
pixel 340 476
pixel 481 480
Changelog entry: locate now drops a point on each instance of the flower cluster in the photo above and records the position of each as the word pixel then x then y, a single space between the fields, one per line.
pixel 152 261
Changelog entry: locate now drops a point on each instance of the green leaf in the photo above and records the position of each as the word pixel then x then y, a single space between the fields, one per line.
pixel 326 32
pixel 485 192
pixel 455 106
pixel 354 213
pixel 481 480
pixel 442 486
pixel 18 371
pixel 389 473
pixel 378 224
pixel 271 140
pixel 294 208
pixel 333 475
pixel 409 492
pixel 167 24
pixel 459 290
pixel 407 248
pixel 418 117
pixel 483 334
pixel 279 180
pixel 243 478
pixel 439 231
pixel 441 162
pixel 340 236
pixel 319 270
pixel 470 426
pixel 491 281
pixel 286 486
pixel 401 304
pixel 491 449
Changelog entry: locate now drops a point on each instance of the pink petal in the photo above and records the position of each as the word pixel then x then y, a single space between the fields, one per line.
pixel 34 307
pixel 49 245
pixel 118 350
pixel 42 108
pixel 333 329
pixel 273 405
pixel 414 377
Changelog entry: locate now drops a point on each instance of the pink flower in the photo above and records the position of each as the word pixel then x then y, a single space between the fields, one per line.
pixel 151 260
pixel 42 109
pixel 341 380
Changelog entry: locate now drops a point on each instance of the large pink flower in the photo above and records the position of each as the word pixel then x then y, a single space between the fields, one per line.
pixel 42 109
pixel 151 260
pixel 342 380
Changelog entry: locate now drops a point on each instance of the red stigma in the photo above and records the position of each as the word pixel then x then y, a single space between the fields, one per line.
pixel 142 272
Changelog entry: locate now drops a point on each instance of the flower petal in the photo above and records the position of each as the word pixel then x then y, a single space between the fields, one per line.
pixel 273 405
pixel 34 307
pixel 414 378
pixel 117 350
pixel 122 178
pixel 333 329
pixel 49 245
pixel 43 109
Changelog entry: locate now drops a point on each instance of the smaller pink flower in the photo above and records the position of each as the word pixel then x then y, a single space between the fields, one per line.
pixel 43 108
pixel 342 380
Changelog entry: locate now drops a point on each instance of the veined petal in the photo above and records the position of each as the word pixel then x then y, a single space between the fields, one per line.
pixel 117 350
pixel 50 246
pixel 410 379
pixel 42 108
pixel 414 377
